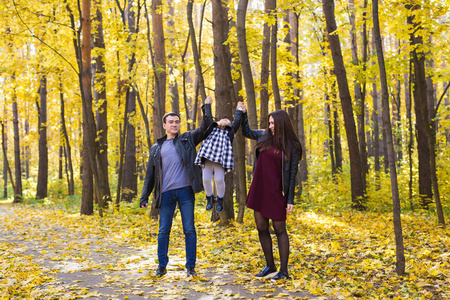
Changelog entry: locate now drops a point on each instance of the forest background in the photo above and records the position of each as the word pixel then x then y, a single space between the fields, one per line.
pixel 365 84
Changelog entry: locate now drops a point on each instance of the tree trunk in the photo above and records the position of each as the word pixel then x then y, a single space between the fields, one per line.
pixel 99 73
pixel 185 77
pixel 60 160
pixel 400 254
pixel 423 116
pixel 269 6
pixel 376 135
pixel 273 63
pixel 347 109
pixel 359 99
pixel 5 161
pixel 129 190
pixel 160 68
pixel 90 146
pixel 173 85
pixel 123 134
pixel 195 52
pixel 68 150
pixel 397 123
pixel 408 104
pixel 17 169
pixel 294 41
pixel 42 180
pixel 239 166
pixel 87 201
pixel 447 104
pixel 337 137
pixel 27 153
pixel 6 168
pixel 330 142
pixel 224 92
pixel 422 122
pixel 397 120
pixel 246 69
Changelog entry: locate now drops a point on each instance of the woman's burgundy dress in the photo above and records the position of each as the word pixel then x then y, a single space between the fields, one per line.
pixel 265 194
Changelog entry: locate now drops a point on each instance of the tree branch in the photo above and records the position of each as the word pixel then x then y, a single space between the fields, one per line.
pixel 44 43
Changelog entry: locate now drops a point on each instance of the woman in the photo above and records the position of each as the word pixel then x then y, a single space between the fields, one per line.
pixel 271 194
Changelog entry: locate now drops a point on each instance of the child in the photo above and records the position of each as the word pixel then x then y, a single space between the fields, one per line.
pixel 216 157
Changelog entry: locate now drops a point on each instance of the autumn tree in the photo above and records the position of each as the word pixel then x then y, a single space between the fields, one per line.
pixel 400 252
pixel 99 92
pixel 42 179
pixel 224 91
pixel 346 102
pixel 424 123
pixel 131 16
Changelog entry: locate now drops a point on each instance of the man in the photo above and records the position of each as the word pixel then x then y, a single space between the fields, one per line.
pixel 175 179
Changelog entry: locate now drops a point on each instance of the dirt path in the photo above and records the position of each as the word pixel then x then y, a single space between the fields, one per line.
pixel 92 267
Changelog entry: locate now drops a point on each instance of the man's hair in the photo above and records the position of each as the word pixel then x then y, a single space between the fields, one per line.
pixel 170 114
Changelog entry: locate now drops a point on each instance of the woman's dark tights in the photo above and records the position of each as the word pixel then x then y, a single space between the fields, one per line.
pixel 262 225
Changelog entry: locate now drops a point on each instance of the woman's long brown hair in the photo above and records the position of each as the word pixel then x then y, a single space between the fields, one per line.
pixel 284 137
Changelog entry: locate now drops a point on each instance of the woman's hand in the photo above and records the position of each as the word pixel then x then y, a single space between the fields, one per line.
pixel 241 105
pixel 290 207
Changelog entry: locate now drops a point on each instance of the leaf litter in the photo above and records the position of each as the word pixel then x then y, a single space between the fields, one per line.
pixel 50 253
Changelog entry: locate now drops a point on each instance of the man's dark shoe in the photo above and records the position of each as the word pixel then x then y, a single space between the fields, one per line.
pixel 267 272
pixel 280 276
pixel 219 205
pixel 161 271
pixel 209 202
pixel 191 271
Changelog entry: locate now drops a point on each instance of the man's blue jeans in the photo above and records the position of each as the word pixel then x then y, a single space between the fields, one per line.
pixel 185 198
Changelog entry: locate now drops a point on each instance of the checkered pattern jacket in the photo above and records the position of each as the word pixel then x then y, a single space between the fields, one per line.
pixel 217 146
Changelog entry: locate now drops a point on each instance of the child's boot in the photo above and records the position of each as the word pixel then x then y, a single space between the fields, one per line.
pixel 219 205
pixel 209 202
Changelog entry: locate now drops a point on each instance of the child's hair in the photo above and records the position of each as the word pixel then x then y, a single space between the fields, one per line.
pixel 222 123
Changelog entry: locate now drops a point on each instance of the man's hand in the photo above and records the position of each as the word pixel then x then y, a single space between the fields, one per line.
pixel 144 206
pixel 209 100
